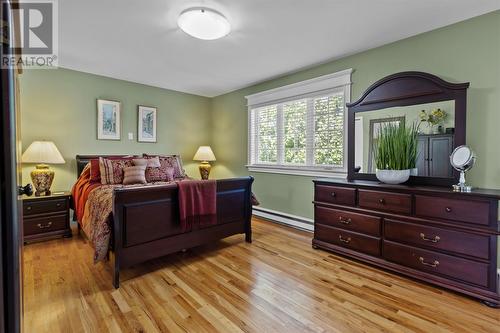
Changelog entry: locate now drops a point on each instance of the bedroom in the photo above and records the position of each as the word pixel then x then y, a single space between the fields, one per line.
pixel 324 245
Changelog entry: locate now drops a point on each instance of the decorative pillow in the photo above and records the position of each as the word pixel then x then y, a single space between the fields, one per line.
pixel 153 162
pixel 112 170
pixel 134 175
pixel 164 173
pixel 95 172
pixel 140 161
pixel 173 161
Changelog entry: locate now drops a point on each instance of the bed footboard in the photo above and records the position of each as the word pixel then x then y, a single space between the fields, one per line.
pixel 146 222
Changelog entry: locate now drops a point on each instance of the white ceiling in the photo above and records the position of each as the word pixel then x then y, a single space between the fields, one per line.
pixel 139 41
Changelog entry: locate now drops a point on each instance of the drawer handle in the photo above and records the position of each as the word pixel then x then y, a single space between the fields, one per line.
pixel 333 194
pixel 345 240
pixel 435 239
pixel 42 226
pixel 434 264
pixel 448 209
pixel 344 220
pixel 28 208
pixel 58 204
pixel 382 201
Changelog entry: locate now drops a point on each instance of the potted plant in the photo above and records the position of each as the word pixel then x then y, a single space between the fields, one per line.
pixel 396 152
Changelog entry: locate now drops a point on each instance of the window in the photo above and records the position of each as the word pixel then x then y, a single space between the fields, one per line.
pixel 300 129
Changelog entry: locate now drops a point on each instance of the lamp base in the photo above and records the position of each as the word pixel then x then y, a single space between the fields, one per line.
pixel 204 170
pixel 42 178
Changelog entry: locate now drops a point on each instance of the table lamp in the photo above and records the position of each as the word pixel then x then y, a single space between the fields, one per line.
pixel 205 155
pixel 42 153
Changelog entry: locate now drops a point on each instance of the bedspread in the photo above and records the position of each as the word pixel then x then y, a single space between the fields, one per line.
pixel 96 221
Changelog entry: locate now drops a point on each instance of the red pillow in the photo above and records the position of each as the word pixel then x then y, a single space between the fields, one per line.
pixel 95 172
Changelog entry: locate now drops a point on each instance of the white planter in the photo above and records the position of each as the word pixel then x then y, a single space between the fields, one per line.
pixel 393 176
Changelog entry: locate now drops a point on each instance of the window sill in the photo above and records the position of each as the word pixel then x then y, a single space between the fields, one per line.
pixel 298 171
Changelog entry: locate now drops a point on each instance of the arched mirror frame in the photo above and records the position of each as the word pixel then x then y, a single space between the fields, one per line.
pixel 405 89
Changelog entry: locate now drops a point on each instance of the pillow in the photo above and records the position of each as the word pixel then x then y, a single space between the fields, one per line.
pixel 112 169
pixel 140 161
pixel 95 172
pixel 173 161
pixel 153 162
pixel 161 174
pixel 134 175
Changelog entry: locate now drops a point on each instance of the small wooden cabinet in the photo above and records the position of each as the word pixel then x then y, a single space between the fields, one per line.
pixel 46 217
pixel 428 233
pixel 433 155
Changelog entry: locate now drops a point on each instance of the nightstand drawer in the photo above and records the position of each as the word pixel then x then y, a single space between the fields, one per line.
pixel 39 225
pixel 45 206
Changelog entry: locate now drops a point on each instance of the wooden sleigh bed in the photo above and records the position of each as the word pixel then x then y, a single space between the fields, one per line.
pixel 145 220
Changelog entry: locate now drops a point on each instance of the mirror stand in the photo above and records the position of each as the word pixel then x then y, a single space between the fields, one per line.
pixel 462 186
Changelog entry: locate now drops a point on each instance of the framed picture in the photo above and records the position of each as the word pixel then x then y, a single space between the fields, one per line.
pixel 108 120
pixel 146 131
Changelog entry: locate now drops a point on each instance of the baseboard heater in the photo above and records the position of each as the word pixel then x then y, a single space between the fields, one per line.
pixel 290 220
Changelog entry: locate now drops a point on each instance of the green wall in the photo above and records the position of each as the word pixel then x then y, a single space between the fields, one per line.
pixel 60 105
pixel 468 51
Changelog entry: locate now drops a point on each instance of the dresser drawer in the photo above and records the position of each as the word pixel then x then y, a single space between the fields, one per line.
pixel 385 201
pixel 366 224
pixel 349 240
pixel 33 226
pixel 468 211
pixel 335 195
pixel 438 238
pixel 44 206
pixel 438 263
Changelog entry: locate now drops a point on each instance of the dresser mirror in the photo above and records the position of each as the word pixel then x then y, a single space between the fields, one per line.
pixel 435 124
pixel 435 107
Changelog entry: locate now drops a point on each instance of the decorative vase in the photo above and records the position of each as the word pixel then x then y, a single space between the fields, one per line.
pixel 414 172
pixel 204 168
pixel 42 178
pixel 393 176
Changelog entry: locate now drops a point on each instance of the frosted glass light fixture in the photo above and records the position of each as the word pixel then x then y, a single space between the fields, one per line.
pixel 204 23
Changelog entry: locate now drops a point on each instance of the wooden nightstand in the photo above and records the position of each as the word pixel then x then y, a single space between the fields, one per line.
pixel 46 216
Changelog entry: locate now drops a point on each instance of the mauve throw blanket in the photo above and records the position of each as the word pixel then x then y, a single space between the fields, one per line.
pixel 197 203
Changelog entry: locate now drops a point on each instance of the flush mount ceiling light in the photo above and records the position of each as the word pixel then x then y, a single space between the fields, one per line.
pixel 203 23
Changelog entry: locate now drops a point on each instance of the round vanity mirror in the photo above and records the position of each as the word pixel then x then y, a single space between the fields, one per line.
pixel 462 159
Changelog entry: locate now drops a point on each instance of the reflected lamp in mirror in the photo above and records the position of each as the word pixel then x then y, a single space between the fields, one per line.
pixel 462 159
pixel 42 153
pixel 205 155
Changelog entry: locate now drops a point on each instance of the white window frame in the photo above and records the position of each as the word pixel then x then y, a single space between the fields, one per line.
pixel 317 87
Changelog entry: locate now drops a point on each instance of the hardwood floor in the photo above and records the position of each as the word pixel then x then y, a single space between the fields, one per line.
pixel 276 284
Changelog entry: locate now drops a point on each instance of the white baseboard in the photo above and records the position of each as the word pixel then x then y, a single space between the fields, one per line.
pixel 284 218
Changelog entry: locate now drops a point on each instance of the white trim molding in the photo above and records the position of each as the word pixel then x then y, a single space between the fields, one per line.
pixel 293 221
pixel 294 90
pixel 335 84
pixel 297 171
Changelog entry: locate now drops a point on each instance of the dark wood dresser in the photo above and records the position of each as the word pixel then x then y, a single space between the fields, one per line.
pixel 428 233
pixel 46 217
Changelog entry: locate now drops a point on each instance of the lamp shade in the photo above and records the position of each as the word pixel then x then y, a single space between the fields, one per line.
pixel 204 153
pixel 44 152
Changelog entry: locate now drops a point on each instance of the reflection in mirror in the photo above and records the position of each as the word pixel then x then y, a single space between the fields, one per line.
pixel 436 127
